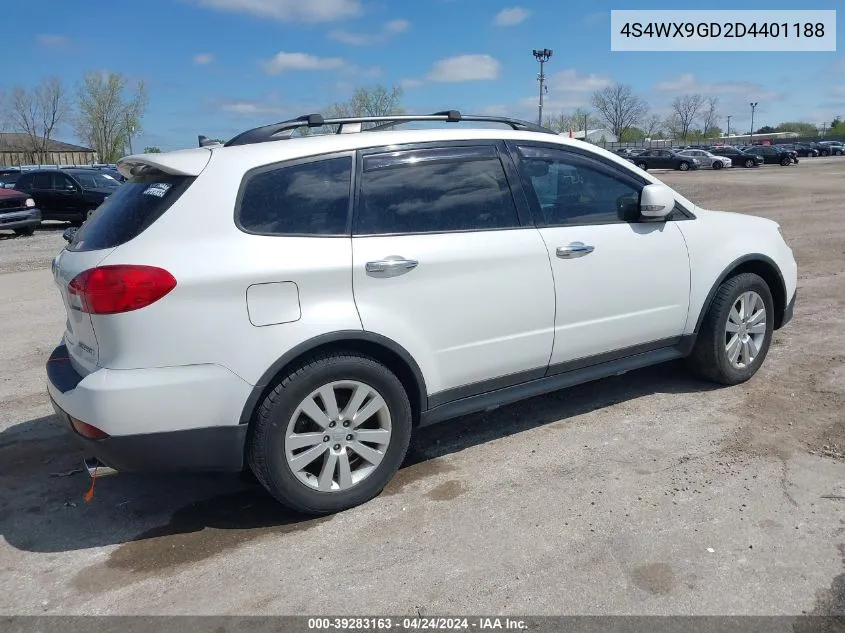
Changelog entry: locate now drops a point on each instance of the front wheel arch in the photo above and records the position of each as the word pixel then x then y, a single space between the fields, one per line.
pixel 760 265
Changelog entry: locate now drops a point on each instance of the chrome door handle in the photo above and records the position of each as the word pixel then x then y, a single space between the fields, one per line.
pixel 573 250
pixel 391 266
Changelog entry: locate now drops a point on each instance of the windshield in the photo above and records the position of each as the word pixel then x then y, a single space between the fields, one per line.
pixel 96 181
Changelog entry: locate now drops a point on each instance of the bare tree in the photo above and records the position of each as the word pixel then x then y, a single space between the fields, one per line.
pixel 109 113
pixel 37 112
pixel 365 101
pixel 710 118
pixel 619 107
pixel 652 125
pixel 561 123
pixel 672 125
pixel 686 110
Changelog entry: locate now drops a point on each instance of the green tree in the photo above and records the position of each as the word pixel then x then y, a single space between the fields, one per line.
pixel 766 129
pixel 835 123
pixel 800 128
pixel 108 112
pixel 152 150
pixel 632 134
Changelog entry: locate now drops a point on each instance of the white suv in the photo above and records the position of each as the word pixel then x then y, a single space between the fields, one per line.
pixel 297 305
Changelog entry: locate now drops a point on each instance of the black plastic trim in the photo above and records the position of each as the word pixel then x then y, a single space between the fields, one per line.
pixel 340 336
pixel 606 357
pixel 60 371
pixel 789 312
pixel 494 399
pixel 476 388
pixel 751 257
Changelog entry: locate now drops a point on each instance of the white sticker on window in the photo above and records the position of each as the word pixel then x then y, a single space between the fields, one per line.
pixel 158 189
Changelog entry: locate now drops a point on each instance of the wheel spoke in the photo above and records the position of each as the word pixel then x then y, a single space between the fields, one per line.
pixel 344 478
pixel 734 316
pixel 745 353
pixel 753 350
pixel 327 472
pixel 303 440
pixel 742 308
pixel 306 457
pixel 759 328
pixel 370 454
pixel 731 327
pixel 329 399
pixel 751 303
pixel 758 317
pixel 733 348
pixel 355 402
pixel 373 436
pixel 309 407
pixel 375 403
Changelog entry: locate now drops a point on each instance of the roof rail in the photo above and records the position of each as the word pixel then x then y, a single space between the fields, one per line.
pixel 346 125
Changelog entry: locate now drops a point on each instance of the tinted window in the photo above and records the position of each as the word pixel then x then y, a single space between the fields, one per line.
pixel 95 181
pixel 61 181
pixel 572 190
pixel 307 199
pixel 24 181
pixel 427 191
pixel 43 181
pixel 132 207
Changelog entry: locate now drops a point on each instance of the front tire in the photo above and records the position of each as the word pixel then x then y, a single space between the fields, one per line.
pixel 717 165
pixel 355 402
pixel 27 230
pixel 736 333
pixel 785 161
pixel 684 166
pixel 642 166
pixel 749 163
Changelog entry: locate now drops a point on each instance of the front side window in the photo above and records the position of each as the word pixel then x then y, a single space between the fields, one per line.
pixel 574 190
pixel 306 199
pixel 43 181
pixel 435 191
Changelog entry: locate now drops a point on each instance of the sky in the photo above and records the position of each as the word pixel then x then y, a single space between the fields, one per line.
pixel 217 67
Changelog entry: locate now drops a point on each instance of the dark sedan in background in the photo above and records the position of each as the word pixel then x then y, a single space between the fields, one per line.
pixel 664 159
pixel 738 157
pixel 773 155
pixel 18 212
pixel 67 194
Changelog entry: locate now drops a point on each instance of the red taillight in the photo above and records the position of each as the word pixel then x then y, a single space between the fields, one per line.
pixel 87 430
pixel 115 289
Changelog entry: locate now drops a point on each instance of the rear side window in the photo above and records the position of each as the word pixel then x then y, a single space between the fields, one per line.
pixel 305 199
pixel 132 208
pixel 43 181
pixel 435 191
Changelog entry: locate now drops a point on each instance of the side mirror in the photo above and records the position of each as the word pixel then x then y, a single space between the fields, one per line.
pixel 656 202
pixel 69 234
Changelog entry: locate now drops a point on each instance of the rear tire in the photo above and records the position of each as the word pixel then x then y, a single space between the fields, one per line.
pixel 29 230
pixel 642 166
pixel 711 356
pixel 337 476
pixel 785 161
pixel 749 163
pixel 684 166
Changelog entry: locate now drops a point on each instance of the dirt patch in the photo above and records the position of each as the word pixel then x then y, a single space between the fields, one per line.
pixel 655 578
pixel 447 491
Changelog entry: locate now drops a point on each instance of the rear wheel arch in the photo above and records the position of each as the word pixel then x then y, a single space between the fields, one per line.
pixel 380 348
pixel 760 265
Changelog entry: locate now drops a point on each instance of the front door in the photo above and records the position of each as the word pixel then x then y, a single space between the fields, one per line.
pixel 621 285
pixel 445 265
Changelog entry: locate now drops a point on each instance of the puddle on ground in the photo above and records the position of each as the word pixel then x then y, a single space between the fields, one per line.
pixel 415 472
pixel 446 491
pixel 655 578
pixel 194 533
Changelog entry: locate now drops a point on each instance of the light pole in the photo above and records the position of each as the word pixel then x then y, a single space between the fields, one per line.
pixel 753 105
pixel 130 129
pixel 541 56
pixel 729 125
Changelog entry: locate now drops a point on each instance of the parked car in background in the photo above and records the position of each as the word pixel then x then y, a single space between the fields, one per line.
pixel 18 212
pixel 793 154
pixel 629 152
pixel 772 155
pixel 67 194
pixel 738 157
pixel 706 160
pixel 664 159
pixel 8 180
pixel 804 150
pixel 831 148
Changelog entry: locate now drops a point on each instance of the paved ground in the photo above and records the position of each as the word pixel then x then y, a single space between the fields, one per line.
pixel 647 493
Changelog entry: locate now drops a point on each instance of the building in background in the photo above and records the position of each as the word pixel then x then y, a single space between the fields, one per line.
pixel 596 136
pixel 16 149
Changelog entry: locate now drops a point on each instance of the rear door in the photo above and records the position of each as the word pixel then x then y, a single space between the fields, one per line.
pixel 447 264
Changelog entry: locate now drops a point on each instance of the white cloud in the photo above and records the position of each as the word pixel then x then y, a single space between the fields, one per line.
pixel 249 108
pixel 203 58
pixel 688 84
pixel 570 80
pixel 410 82
pixel 289 10
pixel 282 62
pixel 52 41
pixel 465 68
pixel 511 16
pixel 388 30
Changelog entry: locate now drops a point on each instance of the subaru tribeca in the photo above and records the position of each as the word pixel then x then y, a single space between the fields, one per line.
pixel 298 305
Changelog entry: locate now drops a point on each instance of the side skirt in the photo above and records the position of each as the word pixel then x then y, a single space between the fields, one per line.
pixel 577 375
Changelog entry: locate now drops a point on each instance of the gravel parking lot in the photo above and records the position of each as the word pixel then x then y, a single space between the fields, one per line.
pixel 647 493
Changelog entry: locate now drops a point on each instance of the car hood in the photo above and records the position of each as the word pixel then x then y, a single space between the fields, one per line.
pixel 12 193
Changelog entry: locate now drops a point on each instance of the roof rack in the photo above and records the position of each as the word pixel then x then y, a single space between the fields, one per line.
pixel 346 125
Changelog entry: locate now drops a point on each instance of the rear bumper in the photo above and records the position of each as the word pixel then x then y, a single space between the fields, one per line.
pixel 170 419
pixel 19 219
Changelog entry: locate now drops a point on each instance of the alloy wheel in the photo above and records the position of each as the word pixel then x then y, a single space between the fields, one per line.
pixel 745 329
